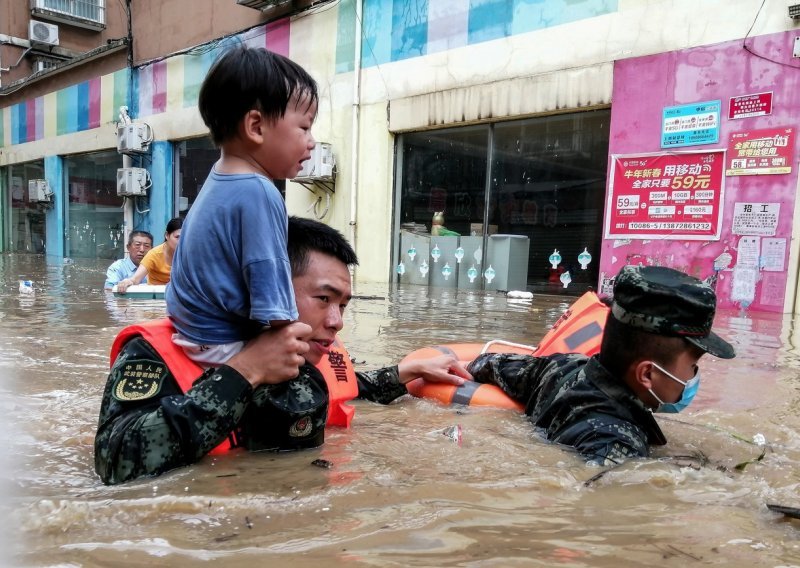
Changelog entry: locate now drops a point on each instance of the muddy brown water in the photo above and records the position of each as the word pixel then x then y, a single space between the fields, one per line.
pixel 399 492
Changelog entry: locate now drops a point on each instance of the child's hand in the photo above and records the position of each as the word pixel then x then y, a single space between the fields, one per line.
pixel 274 356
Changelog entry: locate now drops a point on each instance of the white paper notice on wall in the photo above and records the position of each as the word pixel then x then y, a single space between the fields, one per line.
pixel 748 252
pixel 743 288
pixel 755 218
pixel 773 253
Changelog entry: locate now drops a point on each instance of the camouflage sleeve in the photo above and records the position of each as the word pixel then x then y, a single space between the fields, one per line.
pixel 604 439
pixel 150 427
pixel 518 375
pixel 380 385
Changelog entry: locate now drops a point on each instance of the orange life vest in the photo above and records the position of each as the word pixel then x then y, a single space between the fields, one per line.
pixel 337 369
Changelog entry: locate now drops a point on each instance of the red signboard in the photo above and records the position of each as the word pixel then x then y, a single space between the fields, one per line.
pixel 746 106
pixel 755 152
pixel 677 195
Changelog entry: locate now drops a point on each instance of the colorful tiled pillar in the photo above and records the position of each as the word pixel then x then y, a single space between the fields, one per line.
pixel 162 200
pixel 54 216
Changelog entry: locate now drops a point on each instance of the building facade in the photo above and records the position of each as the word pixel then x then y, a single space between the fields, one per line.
pixel 556 140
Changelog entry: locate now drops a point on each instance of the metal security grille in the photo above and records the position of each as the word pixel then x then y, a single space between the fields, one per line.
pixel 93 10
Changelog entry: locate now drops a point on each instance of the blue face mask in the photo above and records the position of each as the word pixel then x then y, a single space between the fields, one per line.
pixel 690 388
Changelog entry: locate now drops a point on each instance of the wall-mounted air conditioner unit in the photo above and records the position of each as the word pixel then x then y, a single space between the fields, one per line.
pixel 134 138
pixel 44 64
pixel 260 4
pixel 40 33
pixel 321 165
pixel 39 191
pixel 132 182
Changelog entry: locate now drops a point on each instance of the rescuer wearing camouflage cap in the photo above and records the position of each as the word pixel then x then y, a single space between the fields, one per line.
pixel 658 328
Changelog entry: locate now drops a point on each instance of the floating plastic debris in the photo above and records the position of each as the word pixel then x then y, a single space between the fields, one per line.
pixel 759 439
pixel 454 433
pixel 519 295
pixel 26 288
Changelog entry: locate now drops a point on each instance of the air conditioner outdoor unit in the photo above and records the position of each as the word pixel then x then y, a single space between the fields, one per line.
pixel 134 138
pixel 39 191
pixel 260 4
pixel 43 65
pixel 132 182
pixel 321 164
pixel 41 33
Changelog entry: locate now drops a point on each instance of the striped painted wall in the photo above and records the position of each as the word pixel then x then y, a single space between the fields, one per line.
pixel 78 107
pixel 400 29
pixel 160 87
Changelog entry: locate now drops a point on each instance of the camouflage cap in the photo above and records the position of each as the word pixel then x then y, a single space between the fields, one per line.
pixel 668 302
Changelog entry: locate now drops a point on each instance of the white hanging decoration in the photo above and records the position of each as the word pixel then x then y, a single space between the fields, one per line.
pixel 477 255
pixel 472 273
pixel 436 253
pixel 446 271
pixel 459 254
pixel 565 279
pixel 555 259
pixel 401 268
pixel 584 258
pixel 412 252
pixel 423 268
pixel 489 274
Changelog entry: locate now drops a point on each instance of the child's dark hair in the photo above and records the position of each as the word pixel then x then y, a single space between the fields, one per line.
pixel 624 345
pixel 245 78
pixel 173 225
pixel 306 236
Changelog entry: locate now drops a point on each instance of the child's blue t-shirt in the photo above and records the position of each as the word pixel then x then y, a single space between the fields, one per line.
pixel 231 273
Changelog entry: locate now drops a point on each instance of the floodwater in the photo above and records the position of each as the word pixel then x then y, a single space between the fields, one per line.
pixel 399 492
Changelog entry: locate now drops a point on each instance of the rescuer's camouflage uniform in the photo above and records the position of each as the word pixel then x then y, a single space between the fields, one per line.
pixel 147 426
pixel 576 402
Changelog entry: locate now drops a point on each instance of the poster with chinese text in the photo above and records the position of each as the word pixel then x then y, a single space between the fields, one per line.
pixel 675 195
pixel 747 106
pixel 755 152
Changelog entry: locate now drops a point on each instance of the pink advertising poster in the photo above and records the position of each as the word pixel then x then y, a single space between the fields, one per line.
pixel 674 195
pixel 756 152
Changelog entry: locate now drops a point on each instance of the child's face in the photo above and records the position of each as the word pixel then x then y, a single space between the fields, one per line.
pixel 288 142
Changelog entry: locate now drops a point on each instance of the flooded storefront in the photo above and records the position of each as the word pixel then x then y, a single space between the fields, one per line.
pixel 399 492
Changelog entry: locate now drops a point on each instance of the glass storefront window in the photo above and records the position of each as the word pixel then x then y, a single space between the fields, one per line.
pixel 544 192
pixel 27 220
pixel 444 171
pixel 193 159
pixel 95 215
pixel 548 183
